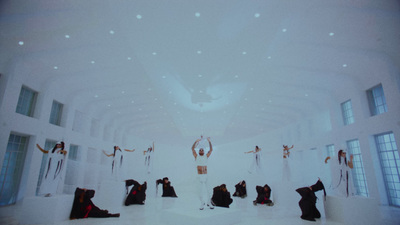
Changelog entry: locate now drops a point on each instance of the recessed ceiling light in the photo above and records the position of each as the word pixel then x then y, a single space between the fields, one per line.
pixel 344 65
pixel 331 34
pixel 154 53
pixel 92 62
pixel 257 15
pixel 123 92
pixel 132 101
pixel 306 95
pixel 21 43
pixel 56 67
pixel 67 36
pixel 269 57
pixel 244 53
pixel 200 75
pixel 197 14
pixel 284 30
pixel 236 76
pixel 112 32
pixel 96 96
pixel 129 58
pixel 139 16
pixel 109 105
pixel 164 77
pixel 198 52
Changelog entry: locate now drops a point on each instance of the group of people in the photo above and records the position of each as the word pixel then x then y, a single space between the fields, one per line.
pixel 83 207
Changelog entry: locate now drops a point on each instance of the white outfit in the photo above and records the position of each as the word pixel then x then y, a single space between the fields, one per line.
pixel 148 161
pixel 117 163
pixel 256 163
pixel 342 181
pixel 203 181
pixel 53 171
pixel 286 173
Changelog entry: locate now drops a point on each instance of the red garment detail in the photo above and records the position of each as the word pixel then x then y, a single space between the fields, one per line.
pixel 88 209
pixel 134 192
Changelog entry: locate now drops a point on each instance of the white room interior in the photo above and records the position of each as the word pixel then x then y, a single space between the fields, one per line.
pixel 95 74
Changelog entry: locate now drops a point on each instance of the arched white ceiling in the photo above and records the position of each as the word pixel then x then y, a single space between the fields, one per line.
pixel 175 69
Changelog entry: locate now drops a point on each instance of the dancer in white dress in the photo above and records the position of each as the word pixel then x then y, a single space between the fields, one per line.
pixel 286 171
pixel 256 163
pixel 53 171
pixel 118 158
pixel 202 162
pixel 149 158
pixel 342 182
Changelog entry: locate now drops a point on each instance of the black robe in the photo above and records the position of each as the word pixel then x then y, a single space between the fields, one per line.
pixel 308 200
pixel 137 194
pixel 168 190
pixel 221 196
pixel 240 189
pixel 263 196
pixel 83 206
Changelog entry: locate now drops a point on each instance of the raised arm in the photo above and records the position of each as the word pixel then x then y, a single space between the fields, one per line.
pixel 291 147
pixel 193 147
pixel 209 152
pixel 127 150
pixel 108 155
pixel 41 149
pixel 350 163
pixel 153 146
pixel 249 152
pixel 327 158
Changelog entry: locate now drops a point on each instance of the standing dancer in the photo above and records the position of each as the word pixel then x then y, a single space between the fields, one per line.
pixel 256 160
pixel 286 174
pixel 55 164
pixel 341 176
pixel 201 162
pixel 117 159
pixel 148 159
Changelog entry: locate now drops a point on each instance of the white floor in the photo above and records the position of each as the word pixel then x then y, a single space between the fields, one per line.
pixel 184 211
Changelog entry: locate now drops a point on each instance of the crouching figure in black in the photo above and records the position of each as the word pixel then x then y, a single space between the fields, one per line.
pixel 308 200
pixel 83 206
pixel 263 195
pixel 137 195
pixel 221 196
pixel 168 190
pixel 240 189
